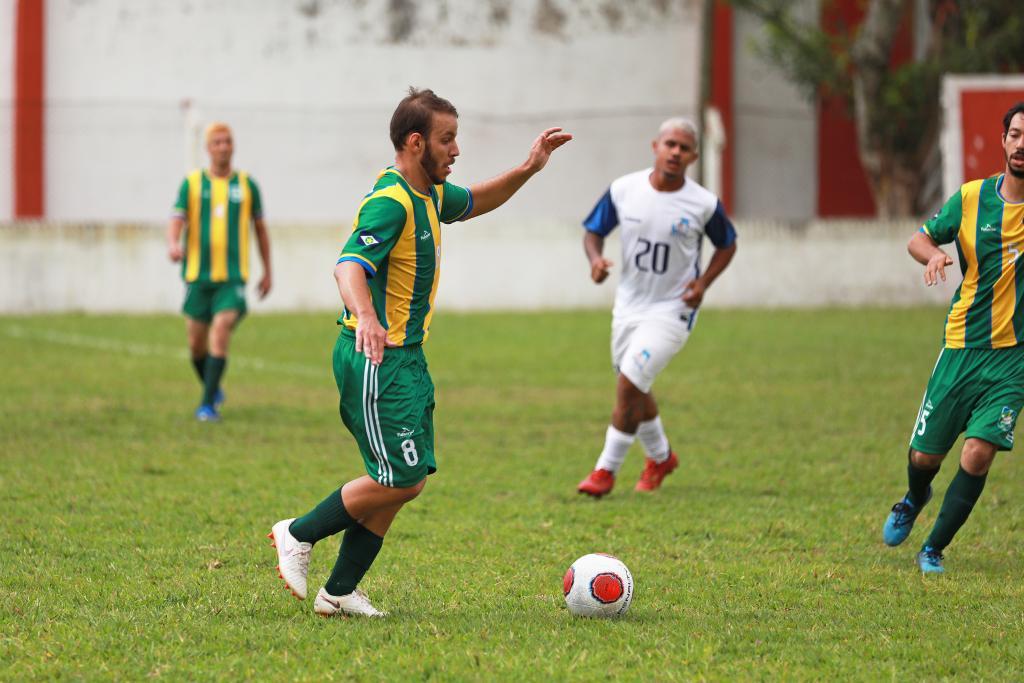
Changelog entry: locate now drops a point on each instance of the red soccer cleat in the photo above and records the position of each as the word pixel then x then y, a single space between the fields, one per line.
pixel 654 473
pixel 597 483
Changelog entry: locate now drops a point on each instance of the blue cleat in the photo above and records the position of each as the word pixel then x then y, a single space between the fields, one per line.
pixel 901 520
pixel 207 414
pixel 930 561
pixel 218 399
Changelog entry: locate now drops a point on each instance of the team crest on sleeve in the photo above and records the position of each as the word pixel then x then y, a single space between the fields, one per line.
pixel 369 240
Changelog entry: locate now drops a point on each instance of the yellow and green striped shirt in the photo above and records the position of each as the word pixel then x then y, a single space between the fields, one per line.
pixel 396 238
pixel 217 214
pixel 987 311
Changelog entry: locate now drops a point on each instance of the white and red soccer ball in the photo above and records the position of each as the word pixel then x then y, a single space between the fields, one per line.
pixel 598 585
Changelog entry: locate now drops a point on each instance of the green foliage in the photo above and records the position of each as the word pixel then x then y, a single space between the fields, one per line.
pixel 134 538
pixel 966 37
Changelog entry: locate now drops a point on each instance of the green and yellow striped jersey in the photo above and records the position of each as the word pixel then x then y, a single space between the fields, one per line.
pixel 987 311
pixel 217 214
pixel 396 238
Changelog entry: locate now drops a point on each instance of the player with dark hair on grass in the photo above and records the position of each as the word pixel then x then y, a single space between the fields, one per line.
pixel 387 275
pixel 977 385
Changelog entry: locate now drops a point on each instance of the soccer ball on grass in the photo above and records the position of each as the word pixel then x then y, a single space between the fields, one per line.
pixel 598 585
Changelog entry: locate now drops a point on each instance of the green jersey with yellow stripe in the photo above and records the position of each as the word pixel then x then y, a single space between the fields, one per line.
pixel 217 214
pixel 396 238
pixel 987 311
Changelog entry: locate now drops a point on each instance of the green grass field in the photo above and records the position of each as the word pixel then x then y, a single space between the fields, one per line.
pixel 134 537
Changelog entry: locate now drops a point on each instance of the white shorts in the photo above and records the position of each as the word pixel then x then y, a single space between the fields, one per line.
pixel 642 348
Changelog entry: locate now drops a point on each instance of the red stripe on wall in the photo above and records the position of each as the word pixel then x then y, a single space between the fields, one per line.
pixel 721 95
pixel 29 54
pixel 843 188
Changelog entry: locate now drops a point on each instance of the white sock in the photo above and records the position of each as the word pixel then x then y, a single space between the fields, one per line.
pixel 616 445
pixel 652 436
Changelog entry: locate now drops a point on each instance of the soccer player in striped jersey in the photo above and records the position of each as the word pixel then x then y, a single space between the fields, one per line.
pixel 387 276
pixel 215 208
pixel 977 385
pixel 664 218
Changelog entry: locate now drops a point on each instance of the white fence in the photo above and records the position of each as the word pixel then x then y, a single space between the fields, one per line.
pixel 486 264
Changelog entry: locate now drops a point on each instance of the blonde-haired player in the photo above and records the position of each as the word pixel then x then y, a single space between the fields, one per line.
pixel 214 209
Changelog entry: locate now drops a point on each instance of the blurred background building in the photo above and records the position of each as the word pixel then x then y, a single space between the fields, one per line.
pixel 103 103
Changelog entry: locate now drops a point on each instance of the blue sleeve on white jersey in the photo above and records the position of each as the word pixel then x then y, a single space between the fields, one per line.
pixel 719 229
pixel 603 218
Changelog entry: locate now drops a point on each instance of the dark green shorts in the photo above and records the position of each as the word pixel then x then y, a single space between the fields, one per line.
pixel 389 408
pixel 203 300
pixel 975 392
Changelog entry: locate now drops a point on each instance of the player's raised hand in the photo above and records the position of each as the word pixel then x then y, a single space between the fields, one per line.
pixel 371 338
pixel 546 143
pixel 599 268
pixel 936 268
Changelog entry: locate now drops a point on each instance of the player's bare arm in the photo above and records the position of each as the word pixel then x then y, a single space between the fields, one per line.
pixel 371 337
pixel 263 239
pixel 174 228
pixel 593 246
pixel 492 193
pixel 926 252
pixel 693 295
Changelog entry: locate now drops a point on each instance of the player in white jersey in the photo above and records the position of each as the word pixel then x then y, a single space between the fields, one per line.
pixel 664 217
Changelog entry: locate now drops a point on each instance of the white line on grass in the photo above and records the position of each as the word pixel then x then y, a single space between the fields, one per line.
pixel 149 350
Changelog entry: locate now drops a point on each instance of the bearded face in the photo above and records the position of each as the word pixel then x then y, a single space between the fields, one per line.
pixel 1013 146
pixel 433 167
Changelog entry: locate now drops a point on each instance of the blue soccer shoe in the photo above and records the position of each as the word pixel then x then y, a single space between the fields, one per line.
pixel 207 414
pixel 901 519
pixel 930 560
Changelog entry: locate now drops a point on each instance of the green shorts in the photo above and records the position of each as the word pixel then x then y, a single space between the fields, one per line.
pixel 389 408
pixel 975 392
pixel 203 300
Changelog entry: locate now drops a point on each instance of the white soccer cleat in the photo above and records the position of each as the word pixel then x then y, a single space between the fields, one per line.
pixel 355 603
pixel 292 557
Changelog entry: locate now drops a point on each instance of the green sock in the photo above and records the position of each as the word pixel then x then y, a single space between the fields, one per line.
pixel 326 519
pixel 359 548
pixel 211 377
pixel 200 365
pixel 962 494
pixel 918 481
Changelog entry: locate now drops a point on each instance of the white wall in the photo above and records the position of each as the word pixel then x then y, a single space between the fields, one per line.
pixel 774 145
pixel 6 107
pixel 310 85
pixel 123 267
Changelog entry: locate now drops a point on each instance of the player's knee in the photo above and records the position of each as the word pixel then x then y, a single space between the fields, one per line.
pixel 926 461
pixel 977 457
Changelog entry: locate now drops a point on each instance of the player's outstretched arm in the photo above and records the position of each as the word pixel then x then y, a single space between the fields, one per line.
pixel 926 251
pixel 371 337
pixel 263 239
pixel 492 193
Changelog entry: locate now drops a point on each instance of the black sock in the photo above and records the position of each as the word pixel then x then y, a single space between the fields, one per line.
pixel 359 548
pixel 326 519
pixel 211 377
pixel 918 481
pixel 200 365
pixel 962 494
